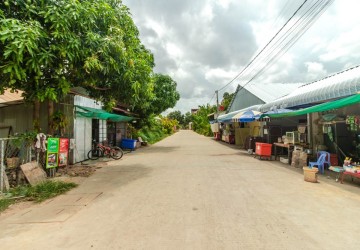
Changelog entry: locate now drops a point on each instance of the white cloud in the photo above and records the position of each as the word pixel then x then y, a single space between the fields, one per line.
pixel 347 45
pixel 173 50
pixel 158 27
pixel 216 74
pixel 204 44
pixel 315 71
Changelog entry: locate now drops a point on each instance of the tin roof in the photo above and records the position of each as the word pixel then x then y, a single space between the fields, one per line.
pixel 266 92
pixel 336 86
pixel 271 91
pixel 10 98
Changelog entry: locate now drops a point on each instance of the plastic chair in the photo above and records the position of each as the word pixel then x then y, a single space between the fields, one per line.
pixel 327 158
pixel 320 163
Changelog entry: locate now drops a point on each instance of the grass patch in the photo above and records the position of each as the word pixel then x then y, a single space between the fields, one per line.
pixel 152 136
pixel 5 203
pixel 37 193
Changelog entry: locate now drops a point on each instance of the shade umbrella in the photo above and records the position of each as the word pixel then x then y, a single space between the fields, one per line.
pixel 246 116
pixel 236 117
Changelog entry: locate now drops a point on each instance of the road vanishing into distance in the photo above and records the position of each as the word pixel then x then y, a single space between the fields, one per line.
pixel 191 192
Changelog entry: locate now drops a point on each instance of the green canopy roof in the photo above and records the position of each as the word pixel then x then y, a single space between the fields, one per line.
pixel 321 107
pixel 101 114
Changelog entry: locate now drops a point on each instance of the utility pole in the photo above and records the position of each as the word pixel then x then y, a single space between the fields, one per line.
pixel 217 103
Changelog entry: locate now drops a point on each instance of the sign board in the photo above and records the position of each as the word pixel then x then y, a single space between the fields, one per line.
pixel 63 151
pixel 52 153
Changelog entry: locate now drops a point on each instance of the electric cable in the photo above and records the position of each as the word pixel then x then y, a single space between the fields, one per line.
pixel 297 28
pixel 293 40
pixel 252 60
pixel 212 98
pixel 315 12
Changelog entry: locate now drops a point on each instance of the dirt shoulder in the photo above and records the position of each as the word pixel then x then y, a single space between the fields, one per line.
pixel 77 174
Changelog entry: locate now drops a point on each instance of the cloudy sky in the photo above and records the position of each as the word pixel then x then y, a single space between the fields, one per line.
pixel 204 44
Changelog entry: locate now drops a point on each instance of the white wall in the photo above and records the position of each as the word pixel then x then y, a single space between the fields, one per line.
pixel 83 128
pixel 82 132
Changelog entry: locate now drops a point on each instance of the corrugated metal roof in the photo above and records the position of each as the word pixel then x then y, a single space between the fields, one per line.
pixel 271 91
pixel 11 98
pixel 264 92
pixel 227 117
pixel 336 86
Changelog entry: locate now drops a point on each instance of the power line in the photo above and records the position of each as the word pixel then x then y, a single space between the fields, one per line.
pixel 304 22
pixel 212 98
pixel 265 45
pixel 299 27
pixel 292 41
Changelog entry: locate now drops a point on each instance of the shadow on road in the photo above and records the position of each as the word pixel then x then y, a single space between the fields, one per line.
pixel 158 149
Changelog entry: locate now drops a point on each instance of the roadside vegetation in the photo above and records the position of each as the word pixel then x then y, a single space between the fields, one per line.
pixel 156 129
pixel 200 121
pixel 49 47
pixel 37 193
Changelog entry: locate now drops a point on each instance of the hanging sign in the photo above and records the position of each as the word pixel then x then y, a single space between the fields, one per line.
pixel 63 151
pixel 52 152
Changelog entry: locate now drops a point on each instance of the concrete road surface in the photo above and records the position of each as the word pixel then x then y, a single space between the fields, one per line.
pixel 191 192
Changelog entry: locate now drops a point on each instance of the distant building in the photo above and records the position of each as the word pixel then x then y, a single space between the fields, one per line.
pixel 259 93
pixel 194 111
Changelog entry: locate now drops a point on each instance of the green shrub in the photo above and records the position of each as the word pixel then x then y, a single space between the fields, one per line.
pixel 37 193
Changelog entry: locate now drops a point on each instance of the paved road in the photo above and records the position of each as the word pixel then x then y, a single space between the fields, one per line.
pixel 190 192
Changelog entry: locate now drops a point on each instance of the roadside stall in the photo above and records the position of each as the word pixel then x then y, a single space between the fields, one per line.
pixel 285 134
pixel 334 129
pixel 246 128
pixel 226 127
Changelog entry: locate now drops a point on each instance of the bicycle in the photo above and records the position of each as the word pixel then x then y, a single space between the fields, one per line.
pixel 101 150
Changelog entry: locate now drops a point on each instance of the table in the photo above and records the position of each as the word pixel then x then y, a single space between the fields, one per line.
pixel 229 139
pixel 356 175
pixel 289 147
pixel 338 170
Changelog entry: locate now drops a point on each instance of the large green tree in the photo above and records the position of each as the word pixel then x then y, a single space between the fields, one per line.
pixel 164 96
pixel 227 98
pixel 200 120
pixel 47 47
pixel 165 93
pixel 176 115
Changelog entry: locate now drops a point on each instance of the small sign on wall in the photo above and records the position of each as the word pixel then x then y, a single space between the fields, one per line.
pixel 52 153
pixel 63 151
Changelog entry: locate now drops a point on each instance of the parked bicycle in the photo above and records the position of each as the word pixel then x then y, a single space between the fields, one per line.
pixel 101 150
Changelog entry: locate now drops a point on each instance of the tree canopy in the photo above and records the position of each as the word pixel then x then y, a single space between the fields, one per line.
pixel 165 92
pixel 227 100
pixel 200 120
pixel 176 115
pixel 47 47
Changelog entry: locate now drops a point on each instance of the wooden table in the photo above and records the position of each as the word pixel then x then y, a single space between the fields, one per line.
pixel 356 175
pixel 289 147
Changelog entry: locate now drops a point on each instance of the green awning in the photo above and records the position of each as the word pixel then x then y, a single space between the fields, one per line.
pixel 101 114
pixel 351 100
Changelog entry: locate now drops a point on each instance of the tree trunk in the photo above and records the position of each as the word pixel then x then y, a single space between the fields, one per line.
pixel 50 114
pixel 36 116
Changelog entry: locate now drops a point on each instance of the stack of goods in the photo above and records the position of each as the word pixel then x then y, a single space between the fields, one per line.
pixel 295 158
pixel 303 159
pixel 299 159
pixel 353 167
pixel 354 122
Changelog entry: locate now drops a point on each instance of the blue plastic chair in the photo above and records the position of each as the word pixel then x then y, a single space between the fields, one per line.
pixel 327 158
pixel 320 163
